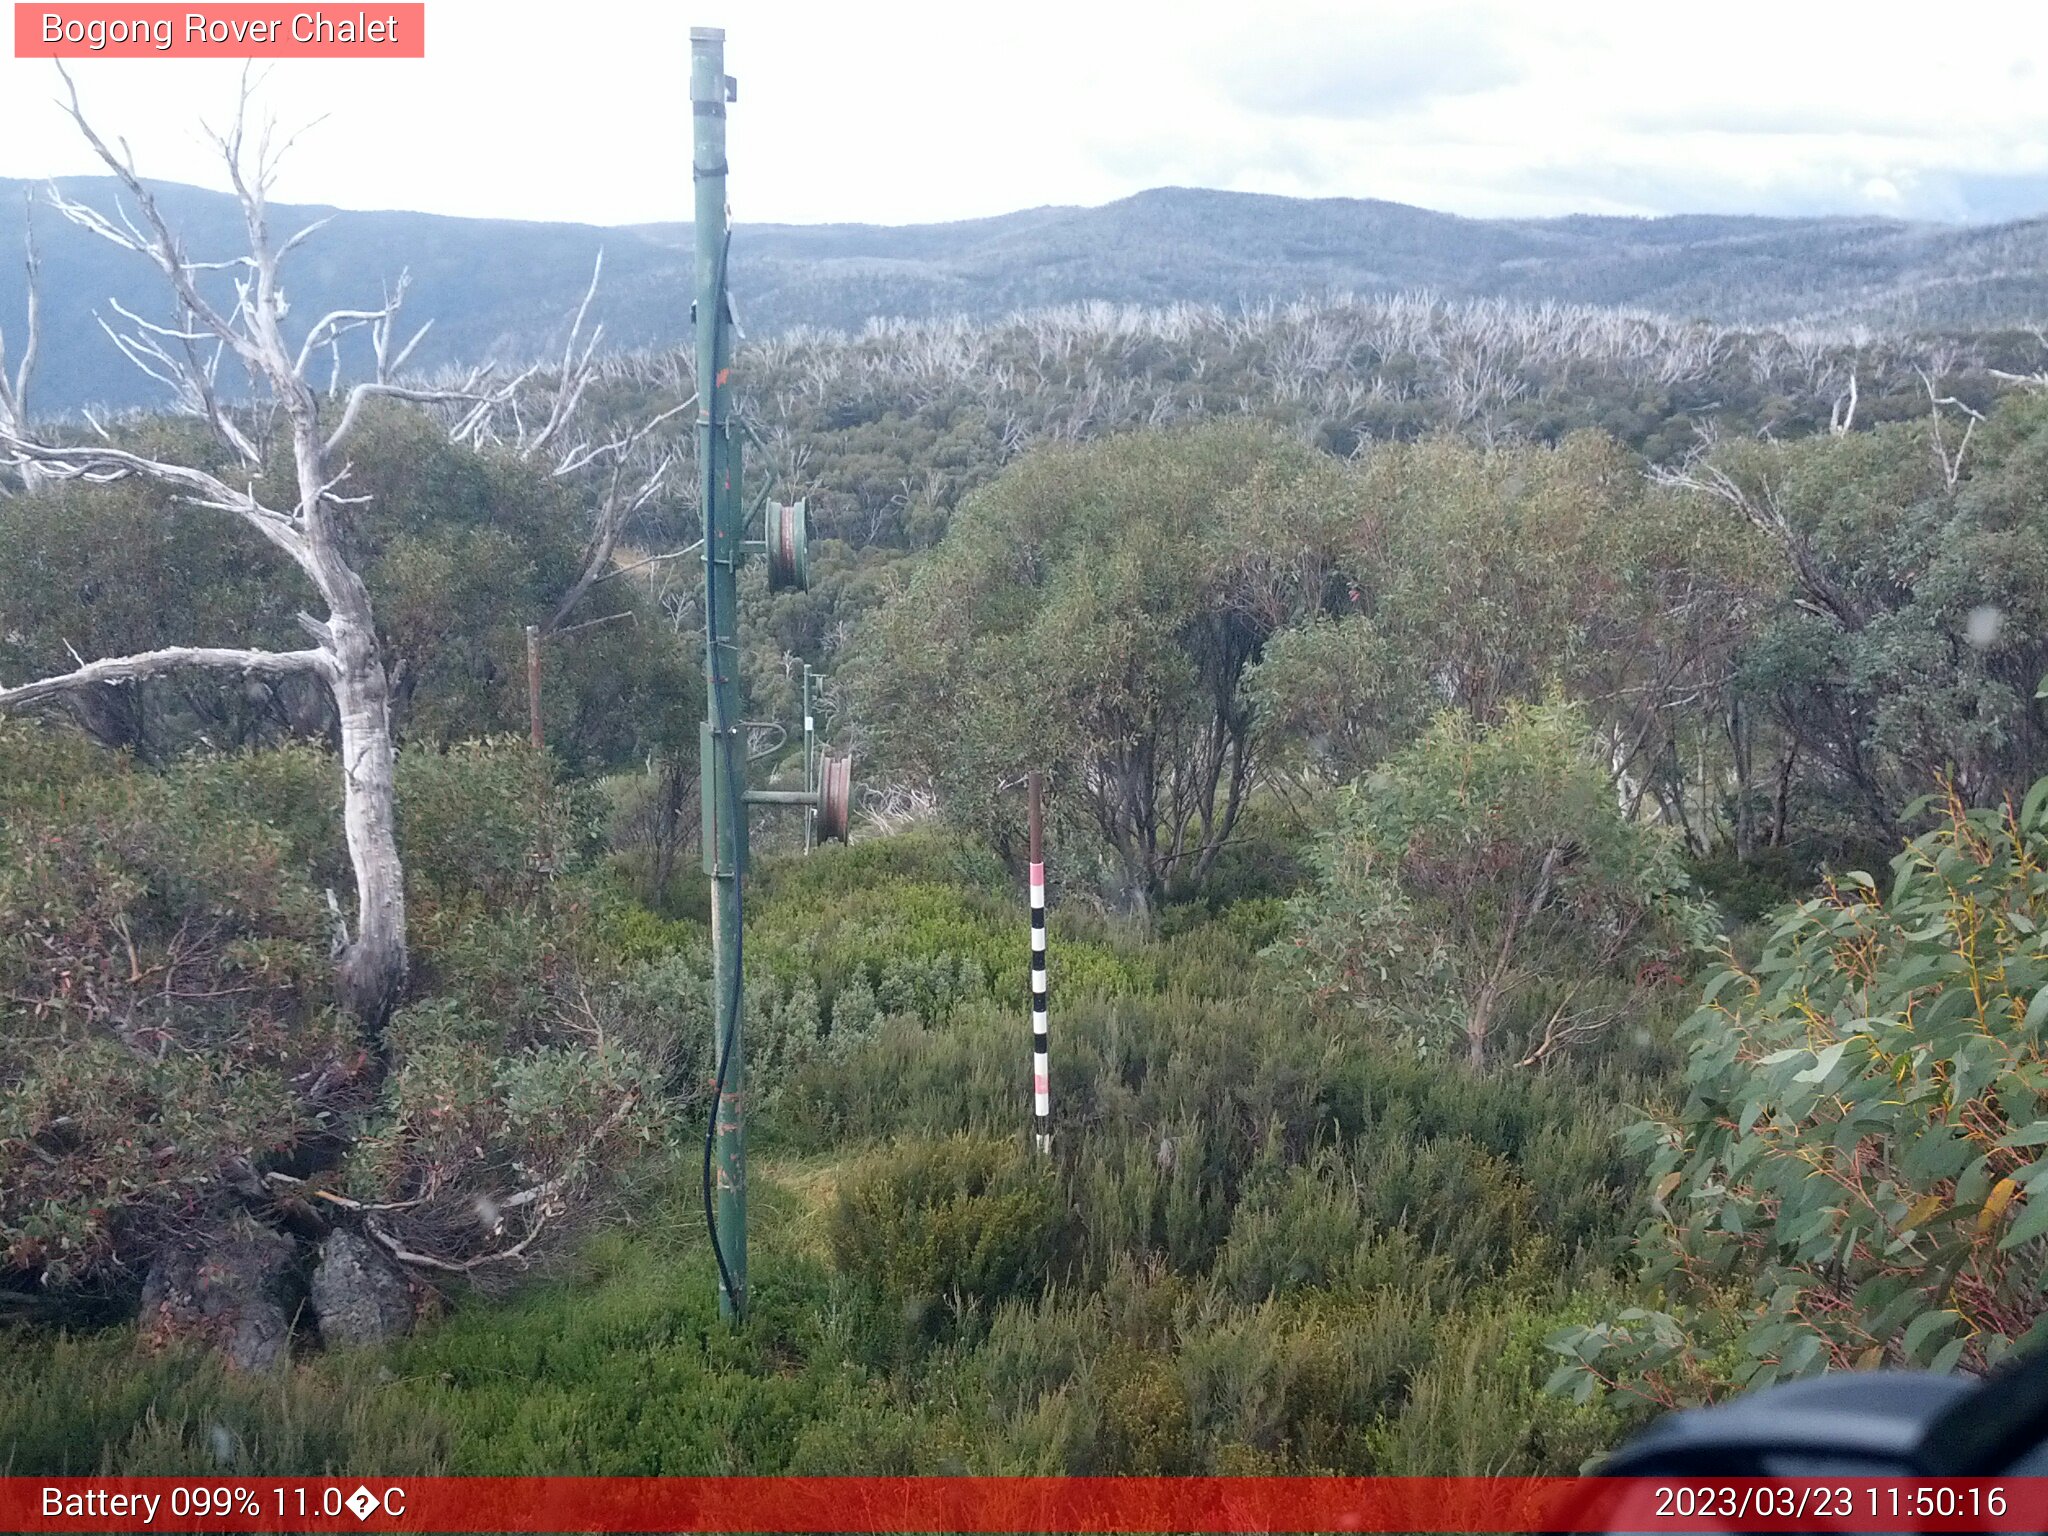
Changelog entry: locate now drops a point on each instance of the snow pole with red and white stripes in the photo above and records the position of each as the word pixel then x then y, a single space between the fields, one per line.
pixel 1041 1080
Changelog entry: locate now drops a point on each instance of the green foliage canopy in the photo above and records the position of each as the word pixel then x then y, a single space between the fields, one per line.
pixel 1093 613
pixel 1486 880
pixel 1909 618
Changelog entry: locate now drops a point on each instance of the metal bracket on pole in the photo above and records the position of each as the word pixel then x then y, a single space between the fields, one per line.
pixel 810 742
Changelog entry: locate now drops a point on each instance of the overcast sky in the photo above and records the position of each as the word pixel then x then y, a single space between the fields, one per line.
pixel 893 111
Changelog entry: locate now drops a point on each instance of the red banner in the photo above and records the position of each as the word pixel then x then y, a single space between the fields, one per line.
pixel 1022 1504
pixel 60 31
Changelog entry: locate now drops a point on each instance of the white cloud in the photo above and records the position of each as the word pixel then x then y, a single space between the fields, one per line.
pixel 904 110
pixel 1351 62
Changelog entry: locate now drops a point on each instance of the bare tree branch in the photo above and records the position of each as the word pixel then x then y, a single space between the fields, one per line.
pixel 647 560
pixel 14 393
pixel 624 494
pixel 1951 463
pixel 614 512
pixel 128 669
pixel 102 462
pixel 1762 507
pixel 1842 414
pixel 575 371
pixel 160 245
pixel 405 1255
pixel 472 393
pixel 546 1200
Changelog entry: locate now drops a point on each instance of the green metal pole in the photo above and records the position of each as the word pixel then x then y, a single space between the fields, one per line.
pixel 724 761
pixel 810 767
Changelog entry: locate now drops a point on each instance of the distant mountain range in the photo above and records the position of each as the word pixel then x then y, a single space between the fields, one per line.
pixel 502 289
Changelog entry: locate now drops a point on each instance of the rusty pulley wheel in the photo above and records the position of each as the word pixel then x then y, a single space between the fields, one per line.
pixel 835 797
pixel 789 555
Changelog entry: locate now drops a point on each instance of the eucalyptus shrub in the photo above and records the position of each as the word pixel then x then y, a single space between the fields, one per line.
pixel 1857 1175
pixel 1483 892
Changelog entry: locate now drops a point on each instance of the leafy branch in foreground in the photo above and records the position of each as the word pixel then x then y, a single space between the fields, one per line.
pixel 1863 1132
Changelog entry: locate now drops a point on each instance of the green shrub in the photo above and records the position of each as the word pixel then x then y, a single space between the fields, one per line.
pixel 1479 1408
pixel 1859 1146
pixel 486 823
pixel 1141 1415
pixel 1148 1196
pixel 1265 1243
pixel 165 968
pixel 92 1404
pixel 1747 889
pixel 948 1227
pixel 1303 1231
pixel 1460 1200
pixel 169 1042
pixel 1479 881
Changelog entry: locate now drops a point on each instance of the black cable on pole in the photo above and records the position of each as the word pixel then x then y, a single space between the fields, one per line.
pixel 731 1032
pixel 732 1022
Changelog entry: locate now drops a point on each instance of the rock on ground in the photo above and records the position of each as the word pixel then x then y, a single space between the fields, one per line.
pixel 235 1290
pixel 358 1296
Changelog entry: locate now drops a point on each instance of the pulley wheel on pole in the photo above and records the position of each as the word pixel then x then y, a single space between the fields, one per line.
pixel 788 540
pixel 835 796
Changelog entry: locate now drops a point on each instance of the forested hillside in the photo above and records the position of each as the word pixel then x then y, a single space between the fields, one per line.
pixel 495 286
pixel 1546 811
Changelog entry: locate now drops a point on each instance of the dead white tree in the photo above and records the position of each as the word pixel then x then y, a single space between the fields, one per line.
pixel 1842 414
pixel 305 523
pixel 14 391
pixel 621 473
pixel 2035 380
pixel 628 481
pixel 1950 459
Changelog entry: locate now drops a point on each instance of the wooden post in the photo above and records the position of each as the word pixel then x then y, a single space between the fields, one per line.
pixel 1041 1080
pixel 533 685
